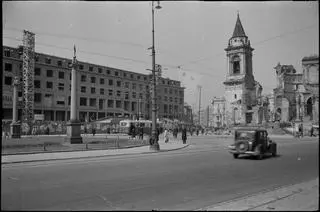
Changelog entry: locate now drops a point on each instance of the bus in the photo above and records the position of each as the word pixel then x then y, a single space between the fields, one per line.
pixel 125 125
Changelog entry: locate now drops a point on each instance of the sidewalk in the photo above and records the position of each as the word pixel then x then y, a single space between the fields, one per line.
pixel 299 197
pixel 20 158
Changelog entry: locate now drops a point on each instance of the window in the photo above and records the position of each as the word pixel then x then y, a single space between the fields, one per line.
pixel 83 89
pixel 93 80
pixel 119 93
pixel 59 63
pixel 36 57
pixel 140 86
pixel 110 82
pixel 138 77
pixel 48 95
pixel 93 90
pixel 134 95
pixel 170 99
pixel 37 71
pixel 165 98
pixel 108 72
pixel 126 84
pixel 83 101
pixel 8 80
pixel 69 100
pixel 118 83
pixel 145 78
pixel 118 104
pixel 83 78
pixel 48 61
pixel 100 70
pixel 124 74
pixel 101 101
pixel 37 97
pixel 8 67
pixel 49 73
pixel 170 91
pixel 37 84
pixel 110 92
pixel 134 86
pixel 175 100
pixel 61 86
pixel 90 68
pixel 116 73
pixel 61 75
pixel 140 95
pixel 49 85
pixel 7 53
pixel 110 103
pixel 236 65
pixel 181 101
pixel 101 81
pixel 20 94
pixel 93 102
pixel 60 102
pixel 81 67
pixel 235 96
pixel 165 90
pixel 126 95
pixel 101 91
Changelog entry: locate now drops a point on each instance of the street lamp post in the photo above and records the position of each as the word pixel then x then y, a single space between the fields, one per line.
pixel 154 144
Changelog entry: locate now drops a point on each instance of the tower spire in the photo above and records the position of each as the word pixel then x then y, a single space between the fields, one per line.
pixel 238 29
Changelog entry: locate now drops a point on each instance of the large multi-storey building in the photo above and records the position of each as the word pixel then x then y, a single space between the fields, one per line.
pixel 102 92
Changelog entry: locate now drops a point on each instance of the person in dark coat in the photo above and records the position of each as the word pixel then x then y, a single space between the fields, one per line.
pixel 184 135
pixel 48 131
pixel 311 131
pixel 93 131
pixel 141 133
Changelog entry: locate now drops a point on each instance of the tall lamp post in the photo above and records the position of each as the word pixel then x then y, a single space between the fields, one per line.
pixel 154 145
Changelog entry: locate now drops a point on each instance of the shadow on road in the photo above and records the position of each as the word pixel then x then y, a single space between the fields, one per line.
pixel 251 157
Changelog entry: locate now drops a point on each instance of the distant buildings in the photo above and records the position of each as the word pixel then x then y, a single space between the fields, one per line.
pixel 103 91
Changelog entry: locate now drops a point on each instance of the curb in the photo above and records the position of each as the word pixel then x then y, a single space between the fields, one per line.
pixel 97 156
pixel 263 198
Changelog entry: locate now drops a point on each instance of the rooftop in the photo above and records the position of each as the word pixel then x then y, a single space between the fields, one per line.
pixel 238 29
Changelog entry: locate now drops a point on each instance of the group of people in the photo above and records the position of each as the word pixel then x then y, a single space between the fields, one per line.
pixel 175 135
pixel 134 131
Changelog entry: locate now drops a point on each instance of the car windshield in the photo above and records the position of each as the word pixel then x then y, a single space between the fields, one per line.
pixel 245 134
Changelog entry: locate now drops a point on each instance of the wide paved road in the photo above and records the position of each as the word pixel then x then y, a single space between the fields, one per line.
pixel 188 179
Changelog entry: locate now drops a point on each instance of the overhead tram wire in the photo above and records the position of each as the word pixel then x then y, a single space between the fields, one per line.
pixel 254 44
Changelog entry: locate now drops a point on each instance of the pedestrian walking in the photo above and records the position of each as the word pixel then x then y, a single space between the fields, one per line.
pixel 166 136
pixel 133 132
pixel 184 135
pixel 141 133
pixel 93 130
pixel 85 130
pixel 48 131
pixel 311 131
pixel 300 131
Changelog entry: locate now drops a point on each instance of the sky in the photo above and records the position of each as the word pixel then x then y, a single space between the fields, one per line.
pixel 190 36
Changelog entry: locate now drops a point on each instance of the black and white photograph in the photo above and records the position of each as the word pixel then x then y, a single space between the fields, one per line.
pixel 160 105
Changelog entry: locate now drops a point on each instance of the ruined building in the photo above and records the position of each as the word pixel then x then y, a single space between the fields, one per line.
pixel 296 97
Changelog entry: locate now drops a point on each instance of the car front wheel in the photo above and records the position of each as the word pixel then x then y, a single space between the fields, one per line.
pixel 235 155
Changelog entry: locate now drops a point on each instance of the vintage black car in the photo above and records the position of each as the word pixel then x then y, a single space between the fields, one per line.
pixel 252 141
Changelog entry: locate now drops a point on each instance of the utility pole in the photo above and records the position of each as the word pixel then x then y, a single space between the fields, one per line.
pixel 199 102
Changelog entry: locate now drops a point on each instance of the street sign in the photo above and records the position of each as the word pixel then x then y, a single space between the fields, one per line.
pixel 39 117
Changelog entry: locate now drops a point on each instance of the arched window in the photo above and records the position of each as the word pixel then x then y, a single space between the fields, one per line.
pixel 236 65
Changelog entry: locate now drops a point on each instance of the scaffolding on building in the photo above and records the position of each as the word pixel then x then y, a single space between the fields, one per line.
pixel 28 77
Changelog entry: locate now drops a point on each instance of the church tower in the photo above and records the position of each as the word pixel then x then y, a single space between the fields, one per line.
pixel 240 87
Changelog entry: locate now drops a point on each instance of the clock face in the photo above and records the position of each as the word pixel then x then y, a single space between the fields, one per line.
pixel 236 42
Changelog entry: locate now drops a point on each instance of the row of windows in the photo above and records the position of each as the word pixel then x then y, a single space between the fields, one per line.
pixel 49 73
